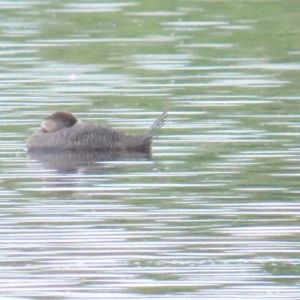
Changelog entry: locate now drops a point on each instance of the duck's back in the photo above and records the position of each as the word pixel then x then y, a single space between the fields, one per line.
pixel 86 137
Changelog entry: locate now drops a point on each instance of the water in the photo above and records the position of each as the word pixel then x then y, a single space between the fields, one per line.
pixel 214 213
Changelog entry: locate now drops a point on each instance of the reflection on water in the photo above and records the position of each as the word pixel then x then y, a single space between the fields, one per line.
pixel 213 214
pixel 72 161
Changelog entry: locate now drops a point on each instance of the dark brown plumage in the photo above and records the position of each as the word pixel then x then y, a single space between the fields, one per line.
pixel 62 131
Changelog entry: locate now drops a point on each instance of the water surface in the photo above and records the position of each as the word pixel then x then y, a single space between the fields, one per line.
pixel 214 213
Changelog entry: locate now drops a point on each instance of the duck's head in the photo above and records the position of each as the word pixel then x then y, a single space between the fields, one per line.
pixel 58 120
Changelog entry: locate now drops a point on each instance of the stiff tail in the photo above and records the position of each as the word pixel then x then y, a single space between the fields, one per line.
pixel 153 130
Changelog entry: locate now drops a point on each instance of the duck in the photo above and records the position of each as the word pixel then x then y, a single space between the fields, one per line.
pixel 63 131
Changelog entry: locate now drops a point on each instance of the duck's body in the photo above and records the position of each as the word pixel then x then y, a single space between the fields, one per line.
pixel 62 131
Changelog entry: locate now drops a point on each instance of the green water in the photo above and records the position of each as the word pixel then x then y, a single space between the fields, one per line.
pixel 214 214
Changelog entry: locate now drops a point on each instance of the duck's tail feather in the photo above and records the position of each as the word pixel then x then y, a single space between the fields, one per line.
pixel 153 130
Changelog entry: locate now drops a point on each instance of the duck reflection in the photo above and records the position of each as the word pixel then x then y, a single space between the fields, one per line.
pixel 69 161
